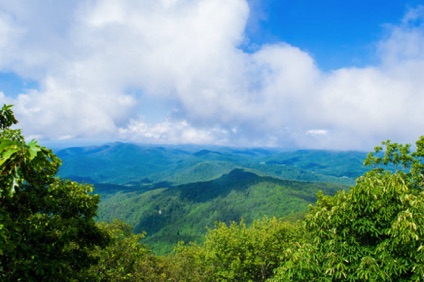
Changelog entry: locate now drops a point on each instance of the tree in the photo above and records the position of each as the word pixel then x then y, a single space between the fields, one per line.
pixel 373 232
pixel 237 252
pixel 126 258
pixel 47 230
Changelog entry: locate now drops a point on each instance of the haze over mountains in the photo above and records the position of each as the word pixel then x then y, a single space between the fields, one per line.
pixel 132 164
pixel 174 192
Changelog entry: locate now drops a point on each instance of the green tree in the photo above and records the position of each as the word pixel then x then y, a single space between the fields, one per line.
pixel 47 230
pixel 373 232
pixel 189 263
pixel 126 258
pixel 238 252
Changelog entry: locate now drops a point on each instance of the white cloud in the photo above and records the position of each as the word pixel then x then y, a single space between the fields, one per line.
pixel 102 63
pixel 315 132
pixel 180 132
pixel 404 42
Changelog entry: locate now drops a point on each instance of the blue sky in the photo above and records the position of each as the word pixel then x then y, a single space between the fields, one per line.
pixel 336 33
pixel 293 74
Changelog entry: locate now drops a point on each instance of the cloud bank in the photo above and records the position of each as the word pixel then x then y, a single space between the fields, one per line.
pixel 174 71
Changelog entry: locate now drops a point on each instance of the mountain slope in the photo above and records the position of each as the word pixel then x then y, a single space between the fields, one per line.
pixel 183 212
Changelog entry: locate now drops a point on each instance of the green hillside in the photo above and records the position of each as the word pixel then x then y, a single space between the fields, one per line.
pixel 182 213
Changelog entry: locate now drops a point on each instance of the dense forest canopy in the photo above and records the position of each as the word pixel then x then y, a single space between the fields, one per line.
pixel 373 231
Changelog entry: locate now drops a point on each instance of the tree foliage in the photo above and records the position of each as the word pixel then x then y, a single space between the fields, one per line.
pixel 237 252
pixel 47 230
pixel 20 162
pixel 373 232
pixel 126 258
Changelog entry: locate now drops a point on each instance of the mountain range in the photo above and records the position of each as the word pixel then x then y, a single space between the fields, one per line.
pixel 174 193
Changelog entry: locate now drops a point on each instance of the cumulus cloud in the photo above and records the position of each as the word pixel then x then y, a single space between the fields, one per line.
pixel 102 64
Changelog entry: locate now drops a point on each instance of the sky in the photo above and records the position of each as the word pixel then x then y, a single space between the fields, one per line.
pixel 326 74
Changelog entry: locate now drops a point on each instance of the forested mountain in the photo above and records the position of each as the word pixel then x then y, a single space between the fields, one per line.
pixel 143 165
pixel 175 192
pixel 182 213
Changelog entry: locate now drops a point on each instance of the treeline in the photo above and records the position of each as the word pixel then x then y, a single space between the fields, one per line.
pixel 374 231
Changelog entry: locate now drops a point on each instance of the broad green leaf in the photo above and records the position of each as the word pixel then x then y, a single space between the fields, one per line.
pixel 33 149
pixel 7 154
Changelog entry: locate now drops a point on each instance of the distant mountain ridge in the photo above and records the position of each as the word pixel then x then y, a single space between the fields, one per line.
pixel 124 163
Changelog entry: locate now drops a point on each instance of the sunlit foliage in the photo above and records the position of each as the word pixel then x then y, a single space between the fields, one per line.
pixel 47 230
pixel 374 232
